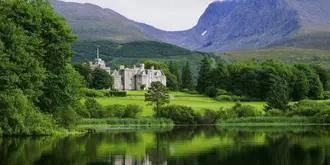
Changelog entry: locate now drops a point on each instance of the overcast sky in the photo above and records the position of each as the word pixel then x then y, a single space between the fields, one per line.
pixel 163 14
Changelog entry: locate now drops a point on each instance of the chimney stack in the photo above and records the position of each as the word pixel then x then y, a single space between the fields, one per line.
pixel 152 68
pixel 122 67
pixel 142 66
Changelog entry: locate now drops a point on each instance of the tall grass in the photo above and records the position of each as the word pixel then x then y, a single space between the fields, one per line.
pixel 266 121
pixel 127 122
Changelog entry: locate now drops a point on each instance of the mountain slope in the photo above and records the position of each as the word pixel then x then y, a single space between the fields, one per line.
pixel 89 21
pixel 253 24
pixel 286 54
pixel 135 52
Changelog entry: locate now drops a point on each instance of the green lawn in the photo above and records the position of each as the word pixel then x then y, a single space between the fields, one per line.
pixel 197 102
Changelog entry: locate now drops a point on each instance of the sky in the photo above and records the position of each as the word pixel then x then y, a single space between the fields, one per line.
pixel 170 15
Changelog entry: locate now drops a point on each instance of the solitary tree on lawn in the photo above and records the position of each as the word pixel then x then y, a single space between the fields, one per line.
pixel 157 95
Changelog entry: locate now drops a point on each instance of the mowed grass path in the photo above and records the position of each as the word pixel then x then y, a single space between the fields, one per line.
pixel 197 102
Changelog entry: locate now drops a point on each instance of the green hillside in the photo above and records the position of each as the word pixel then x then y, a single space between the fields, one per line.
pixel 286 54
pixel 132 53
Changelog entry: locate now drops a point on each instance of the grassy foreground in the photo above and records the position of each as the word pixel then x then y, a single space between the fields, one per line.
pixel 197 102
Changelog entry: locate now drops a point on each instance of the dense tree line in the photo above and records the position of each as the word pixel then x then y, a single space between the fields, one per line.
pixel 38 86
pixel 270 80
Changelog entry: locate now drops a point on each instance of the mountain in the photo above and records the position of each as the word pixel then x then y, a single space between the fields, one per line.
pixel 253 24
pixel 89 21
pixel 225 26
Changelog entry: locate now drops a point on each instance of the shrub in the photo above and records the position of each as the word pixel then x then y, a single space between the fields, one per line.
pixel 209 117
pixel 82 111
pixel 181 115
pixel 221 92
pixel 193 92
pixel 66 117
pixel 143 86
pixel 307 108
pixel 1 132
pixel 223 114
pixel 245 111
pixel 223 98
pixel 211 91
pixel 115 110
pixel 275 112
pixel 94 108
pixel 118 93
pixel 132 110
pixel 248 99
pixel 92 92
pixel 235 98
pixel 322 117
pixel 326 95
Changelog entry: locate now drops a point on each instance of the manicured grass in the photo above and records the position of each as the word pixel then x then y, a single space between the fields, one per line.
pixel 197 102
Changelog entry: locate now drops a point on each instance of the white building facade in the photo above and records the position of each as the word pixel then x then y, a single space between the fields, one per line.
pixel 137 77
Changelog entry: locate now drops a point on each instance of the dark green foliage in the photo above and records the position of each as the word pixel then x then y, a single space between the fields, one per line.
pixel 174 69
pixel 211 91
pixel 118 93
pixel 204 76
pixel 158 95
pixel 35 54
pixel 85 71
pixel 246 79
pixel 181 115
pixel 132 110
pixel 94 108
pixel 315 84
pixel 187 77
pixel 277 96
pixel 101 79
pixel 300 86
pixel 220 76
pixel 323 75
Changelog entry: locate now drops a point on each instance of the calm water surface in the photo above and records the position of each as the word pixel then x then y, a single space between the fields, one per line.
pixel 180 146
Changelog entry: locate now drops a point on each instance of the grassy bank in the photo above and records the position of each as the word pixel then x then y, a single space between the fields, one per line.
pixel 127 123
pixel 266 121
pixel 196 102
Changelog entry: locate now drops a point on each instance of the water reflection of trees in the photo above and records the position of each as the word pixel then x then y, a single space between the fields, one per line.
pixel 234 147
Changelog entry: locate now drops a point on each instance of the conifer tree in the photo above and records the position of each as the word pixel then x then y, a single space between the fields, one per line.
pixel 187 78
pixel 204 76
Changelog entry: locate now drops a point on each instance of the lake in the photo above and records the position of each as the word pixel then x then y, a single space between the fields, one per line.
pixel 302 145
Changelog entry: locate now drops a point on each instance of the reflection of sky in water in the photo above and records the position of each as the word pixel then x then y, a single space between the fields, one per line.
pixel 181 146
